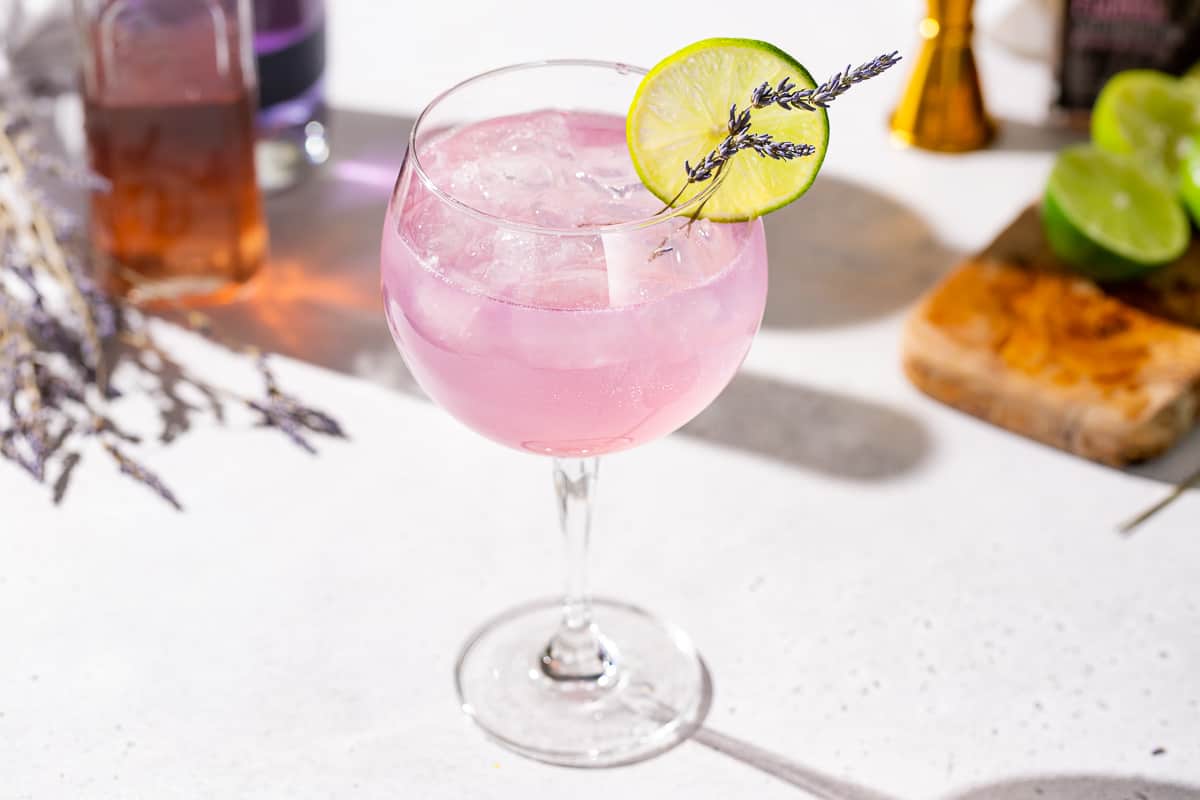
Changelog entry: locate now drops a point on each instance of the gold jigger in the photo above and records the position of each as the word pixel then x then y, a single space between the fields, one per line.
pixel 942 106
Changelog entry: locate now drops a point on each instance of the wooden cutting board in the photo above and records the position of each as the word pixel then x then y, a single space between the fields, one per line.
pixel 1012 337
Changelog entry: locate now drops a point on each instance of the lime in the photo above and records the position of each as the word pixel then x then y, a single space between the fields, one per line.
pixel 681 113
pixel 1147 114
pixel 1189 179
pixel 1107 218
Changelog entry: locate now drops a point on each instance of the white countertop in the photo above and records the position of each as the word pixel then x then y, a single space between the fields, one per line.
pixel 895 600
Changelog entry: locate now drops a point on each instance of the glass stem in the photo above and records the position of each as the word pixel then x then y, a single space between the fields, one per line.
pixel 577 651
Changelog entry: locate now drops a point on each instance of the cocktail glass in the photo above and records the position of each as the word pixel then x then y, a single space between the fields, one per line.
pixel 541 295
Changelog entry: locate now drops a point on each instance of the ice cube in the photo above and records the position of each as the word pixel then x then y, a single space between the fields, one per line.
pixel 620 189
pixel 649 263
pixel 527 267
pixel 445 238
pixel 627 256
pixel 444 312
pixel 510 177
pixel 428 226
pixel 465 179
pixel 698 252
pixel 513 248
pixel 583 130
pixel 550 212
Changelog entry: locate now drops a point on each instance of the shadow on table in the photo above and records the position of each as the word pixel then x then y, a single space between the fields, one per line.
pixel 317 298
pixel 835 434
pixel 843 254
pixel 1081 787
pixel 1050 787
pixel 813 782
pixel 1174 466
pixel 1021 137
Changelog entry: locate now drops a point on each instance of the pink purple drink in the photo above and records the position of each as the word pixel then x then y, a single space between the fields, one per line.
pixel 525 308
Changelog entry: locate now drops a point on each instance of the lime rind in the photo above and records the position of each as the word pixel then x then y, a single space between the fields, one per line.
pixel 1104 215
pixel 680 113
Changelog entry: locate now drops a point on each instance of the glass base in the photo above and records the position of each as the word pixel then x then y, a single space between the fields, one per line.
pixel 655 696
pixel 187 292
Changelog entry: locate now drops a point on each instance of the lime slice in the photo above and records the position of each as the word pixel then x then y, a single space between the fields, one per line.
pixel 681 113
pixel 1107 218
pixel 1189 179
pixel 1149 115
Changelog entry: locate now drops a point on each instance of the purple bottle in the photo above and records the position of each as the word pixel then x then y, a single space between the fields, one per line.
pixel 289 42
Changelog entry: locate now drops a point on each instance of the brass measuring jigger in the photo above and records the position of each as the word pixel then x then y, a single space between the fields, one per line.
pixel 942 106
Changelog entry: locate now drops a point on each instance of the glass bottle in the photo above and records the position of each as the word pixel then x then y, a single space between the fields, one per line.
pixel 289 40
pixel 169 95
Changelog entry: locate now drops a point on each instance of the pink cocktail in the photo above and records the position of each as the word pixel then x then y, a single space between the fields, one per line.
pixel 583 339
pixel 544 297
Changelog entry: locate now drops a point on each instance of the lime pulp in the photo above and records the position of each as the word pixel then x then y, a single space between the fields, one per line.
pixel 1106 217
pixel 1150 116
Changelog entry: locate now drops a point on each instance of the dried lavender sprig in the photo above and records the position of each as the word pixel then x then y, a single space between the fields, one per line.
pixel 276 415
pixel 712 162
pixel 59 332
pixel 761 143
pixel 787 97
pixel 142 475
pixel 26 440
pixel 294 419
pixel 49 254
pixel 765 146
pixel 739 139
pixel 289 415
pixel 10 450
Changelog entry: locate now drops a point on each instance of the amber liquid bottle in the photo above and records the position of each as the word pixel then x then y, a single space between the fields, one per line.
pixel 169 109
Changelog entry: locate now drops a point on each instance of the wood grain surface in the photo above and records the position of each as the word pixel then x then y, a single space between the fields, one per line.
pixel 1012 337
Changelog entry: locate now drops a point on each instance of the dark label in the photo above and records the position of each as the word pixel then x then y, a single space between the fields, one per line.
pixel 1103 37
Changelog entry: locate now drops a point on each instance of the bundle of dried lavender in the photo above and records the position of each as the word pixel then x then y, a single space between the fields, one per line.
pixel 61 337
